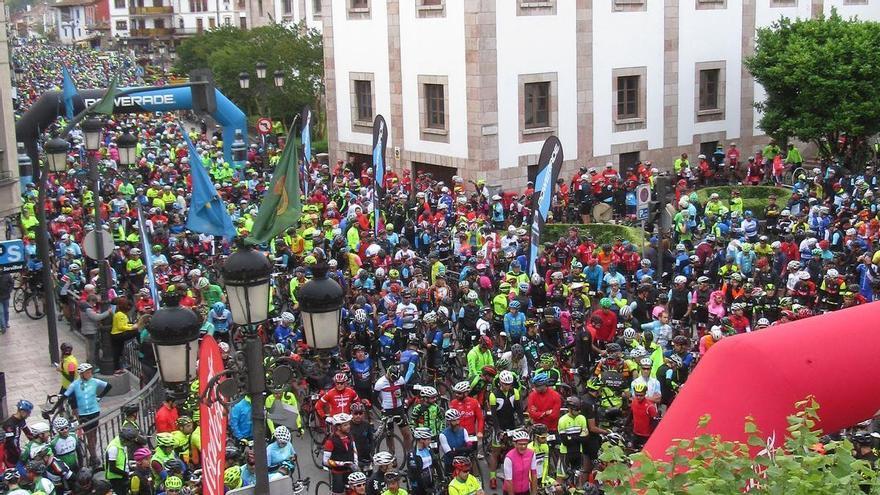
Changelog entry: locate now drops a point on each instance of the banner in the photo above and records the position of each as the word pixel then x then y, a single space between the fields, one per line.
pixel 281 206
pixel 212 420
pixel 207 214
pixel 306 138
pixel 148 255
pixel 380 140
pixel 550 162
pixel 68 91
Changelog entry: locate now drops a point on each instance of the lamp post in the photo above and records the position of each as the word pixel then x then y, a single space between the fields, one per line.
pixel 174 333
pixel 244 81
pixel 320 304
pixel 56 161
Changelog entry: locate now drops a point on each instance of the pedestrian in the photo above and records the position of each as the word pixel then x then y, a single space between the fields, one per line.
pixel 6 286
pixel 67 367
pixel 123 330
pixel 91 319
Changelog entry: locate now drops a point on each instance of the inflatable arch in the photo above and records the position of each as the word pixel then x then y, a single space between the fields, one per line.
pixel 50 106
pixel 832 357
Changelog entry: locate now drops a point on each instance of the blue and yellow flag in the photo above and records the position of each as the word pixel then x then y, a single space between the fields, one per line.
pixel 68 91
pixel 207 213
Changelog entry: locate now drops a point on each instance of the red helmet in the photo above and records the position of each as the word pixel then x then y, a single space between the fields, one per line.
pixel 340 378
pixel 487 341
pixel 489 370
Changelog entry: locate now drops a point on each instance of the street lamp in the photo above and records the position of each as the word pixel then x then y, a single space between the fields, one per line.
pixel 92 128
pixel 244 80
pixel 56 154
pixel 261 70
pixel 279 78
pixel 174 332
pixel 320 304
pixel 239 150
pixel 25 164
pixel 246 275
pixel 127 145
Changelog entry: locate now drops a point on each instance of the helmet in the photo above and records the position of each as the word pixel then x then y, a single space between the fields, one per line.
pixel 520 436
pixel 716 333
pixel 25 405
pixel 282 434
pixel 613 348
pixel 517 350
pixel 36 467
pixel 356 478
pixel 287 317
pixel 547 358
pixel 794 265
pixel 506 377
pixel 540 379
pixel 452 415
pixel 573 402
pixel 646 362
pixel 128 434
pixel 358 407
pixel 60 423
pixel 763 322
pixel 40 450
pixel 514 304
pixel 360 316
pixel 503 363
pixel 183 421
pixel 489 370
pixel 66 347
pixel 605 302
pixel 462 387
pixel 341 418
pixel 422 433
pixel 83 367
pixel 383 458
pixel 461 462
pixel 625 311
pixel 39 427
pixel 202 283
pixel 472 296
pixel 430 317
pixel 141 454
pixel 173 483
pixel 219 307
pixel 164 439
pixel 676 360
pixel 11 475
pixel 832 273
pixel 629 334
pixel 340 378
pixel 232 477
pixel 680 279
pixel 640 388
pixel 428 392
pixel 393 372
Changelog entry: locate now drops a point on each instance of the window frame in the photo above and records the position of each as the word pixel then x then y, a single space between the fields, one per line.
pixel 710 4
pixel 536 91
pixel 427 131
pixel 358 12
pixel 706 114
pixel 629 6
pixel 535 7
pixel 639 119
pixel 430 10
pixel 533 132
pixel 357 123
pixel 124 23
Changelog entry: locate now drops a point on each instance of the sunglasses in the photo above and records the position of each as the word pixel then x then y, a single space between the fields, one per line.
pixel 358 485
pixel 361 413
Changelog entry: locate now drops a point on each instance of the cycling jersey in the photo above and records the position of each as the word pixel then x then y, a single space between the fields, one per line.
pixel 542 454
pixel 389 394
pixel 334 402
pixel 571 424
pixel 471 413
pixel 86 393
pixel 469 486
pixel 518 468
pixel 276 454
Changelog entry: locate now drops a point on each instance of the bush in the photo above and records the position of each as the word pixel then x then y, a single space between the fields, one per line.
pixel 754 197
pixel 603 233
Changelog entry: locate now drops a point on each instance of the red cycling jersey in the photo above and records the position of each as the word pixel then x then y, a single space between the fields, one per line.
pixel 334 402
pixel 544 408
pixel 471 414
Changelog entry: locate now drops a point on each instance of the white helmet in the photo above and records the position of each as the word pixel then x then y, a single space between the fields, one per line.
pixel 430 317
pixel 763 322
pixel 360 316
pixel 194 273
pixel 461 387
pixel 83 367
pixel 421 433
pixel 428 392
pixel 716 333
pixel 282 434
pixel 452 415
pixel 472 296
pixel 794 265
pixel 832 273
pixel 202 283
pixel 629 334
pixel 135 251
pixel 39 427
pixel 60 423
pixel 356 478
pixel 519 436
pixel 625 311
pixel 341 418
pixel 680 279
pixel 287 317
pixel 646 362
pixel 383 458
pixel 506 377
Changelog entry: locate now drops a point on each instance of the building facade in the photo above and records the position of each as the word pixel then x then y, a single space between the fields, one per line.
pixel 299 11
pixel 75 20
pixel 10 193
pixel 473 87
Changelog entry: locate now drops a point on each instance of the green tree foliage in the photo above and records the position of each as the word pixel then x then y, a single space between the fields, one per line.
pixel 821 81
pixel 709 465
pixel 228 51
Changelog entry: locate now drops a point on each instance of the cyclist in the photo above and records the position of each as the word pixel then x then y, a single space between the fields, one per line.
pixel 542 452
pixel 13 427
pixel 572 428
pixel 281 449
pixel 183 438
pixel 390 389
pixel 645 415
pixel 515 321
pixel 469 409
pixel 87 391
pixel 427 413
pixel 547 366
pixel 544 403
pixel 67 367
pixel 361 430
pixel 66 446
pixel 520 467
pixel 280 406
pixel 463 482
pixel 361 366
pixel 164 453
pixel 357 483
pixel 116 469
pixel 419 463
pixel 340 454
pixel 141 478
pixel 383 463
pixel 505 408
pixel 479 356
pixel 454 439
pixel 336 400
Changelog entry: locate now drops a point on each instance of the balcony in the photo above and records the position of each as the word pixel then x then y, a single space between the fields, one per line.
pixel 163 10
pixel 151 33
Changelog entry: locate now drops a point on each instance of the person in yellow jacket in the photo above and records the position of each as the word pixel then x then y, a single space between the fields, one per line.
pixel 282 408
pixel 183 438
pixel 29 222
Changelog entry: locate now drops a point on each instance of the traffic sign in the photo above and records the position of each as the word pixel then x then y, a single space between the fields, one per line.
pixel 264 125
pixel 12 255
pixel 90 243
pixel 643 201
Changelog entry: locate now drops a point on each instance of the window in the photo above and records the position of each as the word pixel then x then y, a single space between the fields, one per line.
pixel 121 26
pixel 363 91
pixel 536 7
pixel 119 4
pixel 629 5
pixel 316 7
pixel 200 25
pixel 358 9
pixel 430 8
pixel 783 3
pixel 435 106
pixel 433 110
pixel 242 22
pixel 710 4
pixel 212 23
pixel 709 79
pixel 628 97
pixel 287 7
pixel 537 105
pixel 227 21
pixel 198 5
pixel 709 91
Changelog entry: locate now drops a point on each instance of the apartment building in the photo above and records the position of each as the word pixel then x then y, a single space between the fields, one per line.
pixel 76 21
pixel 473 87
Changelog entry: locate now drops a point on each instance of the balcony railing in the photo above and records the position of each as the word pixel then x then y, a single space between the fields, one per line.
pixel 163 10
pixel 151 32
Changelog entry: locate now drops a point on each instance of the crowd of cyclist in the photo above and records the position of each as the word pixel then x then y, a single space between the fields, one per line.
pixel 455 356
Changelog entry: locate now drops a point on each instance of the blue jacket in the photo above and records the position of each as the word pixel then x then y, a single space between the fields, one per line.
pixel 240 419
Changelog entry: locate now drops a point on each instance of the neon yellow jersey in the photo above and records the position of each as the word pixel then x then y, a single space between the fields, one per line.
pixel 542 458
pixel 469 486
pixel 566 421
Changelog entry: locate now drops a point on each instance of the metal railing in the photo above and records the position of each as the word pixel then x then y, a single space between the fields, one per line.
pixel 161 10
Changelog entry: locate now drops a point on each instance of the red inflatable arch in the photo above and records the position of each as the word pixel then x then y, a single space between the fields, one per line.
pixel 833 357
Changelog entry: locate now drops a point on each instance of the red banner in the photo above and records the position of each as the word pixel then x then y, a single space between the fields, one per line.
pixel 212 421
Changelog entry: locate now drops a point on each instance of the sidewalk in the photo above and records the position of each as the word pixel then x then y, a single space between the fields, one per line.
pixel 24 357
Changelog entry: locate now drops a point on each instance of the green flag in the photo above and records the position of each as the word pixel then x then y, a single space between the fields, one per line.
pixel 106 103
pixel 281 207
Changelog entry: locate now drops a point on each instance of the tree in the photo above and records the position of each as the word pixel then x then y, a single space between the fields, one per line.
pixel 228 51
pixel 709 465
pixel 821 77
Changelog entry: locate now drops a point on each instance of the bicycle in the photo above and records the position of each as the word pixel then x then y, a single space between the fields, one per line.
pixel 393 443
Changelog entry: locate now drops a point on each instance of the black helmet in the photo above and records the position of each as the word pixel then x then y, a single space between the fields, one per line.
pixel 84 477
pixel 393 372
pixel 573 402
pixel 613 347
pixel 102 487
pixel 129 409
pixel 128 434
pixel 66 347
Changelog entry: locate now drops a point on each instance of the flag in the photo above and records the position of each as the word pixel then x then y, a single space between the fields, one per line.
pixel 380 139
pixel 107 102
pixel 281 206
pixel 68 91
pixel 306 138
pixel 550 162
pixel 207 213
pixel 212 419
pixel 148 254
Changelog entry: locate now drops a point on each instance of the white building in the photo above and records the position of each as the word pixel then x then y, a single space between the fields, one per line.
pixel 473 87
pixel 297 11
pixel 73 20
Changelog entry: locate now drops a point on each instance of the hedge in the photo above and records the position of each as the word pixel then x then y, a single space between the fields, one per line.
pixel 603 233
pixel 754 197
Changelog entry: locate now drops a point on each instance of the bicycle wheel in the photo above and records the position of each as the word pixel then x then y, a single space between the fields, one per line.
pixel 397 448
pixel 317 455
pixel 18 300
pixel 322 488
pixel 33 306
